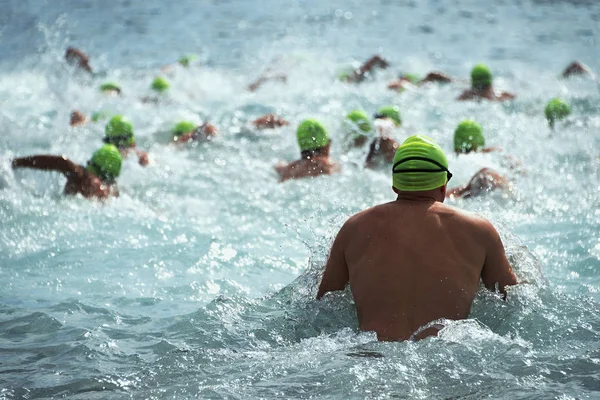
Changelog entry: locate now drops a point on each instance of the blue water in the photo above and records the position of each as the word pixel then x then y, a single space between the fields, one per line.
pixel 198 282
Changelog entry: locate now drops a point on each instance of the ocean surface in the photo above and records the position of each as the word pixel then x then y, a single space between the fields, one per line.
pixel 199 280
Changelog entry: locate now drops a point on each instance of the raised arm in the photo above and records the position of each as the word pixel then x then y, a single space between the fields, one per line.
pixel 496 269
pixel 336 275
pixel 48 163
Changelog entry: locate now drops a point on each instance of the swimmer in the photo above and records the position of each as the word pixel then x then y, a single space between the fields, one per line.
pixel 358 127
pixel 110 88
pixel 77 118
pixel 185 61
pixel 266 78
pixel 314 146
pixel 160 86
pixel 78 58
pixel 555 110
pixel 359 74
pixel 186 131
pixel 119 132
pixel 481 86
pixel 96 181
pixel 269 121
pixel 577 69
pixel 468 137
pixel 484 181
pixel 415 260
pixel 384 147
pixel 410 79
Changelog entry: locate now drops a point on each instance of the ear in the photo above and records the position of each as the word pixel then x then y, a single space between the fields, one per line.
pixel 443 191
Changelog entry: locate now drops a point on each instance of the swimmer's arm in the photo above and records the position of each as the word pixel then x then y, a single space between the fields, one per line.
pixel 466 95
pixel 336 275
pixel 48 163
pixel 142 157
pixel 496 269
pixel 370 162
pixel 436 77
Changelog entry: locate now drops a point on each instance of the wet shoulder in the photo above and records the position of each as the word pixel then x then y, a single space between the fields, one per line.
pixel 466 219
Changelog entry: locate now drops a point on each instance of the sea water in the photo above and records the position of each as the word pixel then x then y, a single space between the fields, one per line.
pixel 199 280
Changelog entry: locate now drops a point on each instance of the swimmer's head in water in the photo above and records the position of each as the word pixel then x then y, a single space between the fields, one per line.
pixel 481 76
pixel 311 135
pixel 186 60
pixel 110 87
pixel 391 112
pixel 359 119
pixel 419 165
pixel 468 137
pixel 160 85
pixel 412 78
pixel 182 128
pixel 119 131
pixel 106 163
pixel 556 109
pixel 99 115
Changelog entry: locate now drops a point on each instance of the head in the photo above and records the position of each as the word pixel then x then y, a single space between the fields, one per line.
pixel 468 137
pixel 420 169
pixel 555 110
pixel 182 128
pixel 357 124
pixel 186 60
pixel 312 138
pixel 390 112
pixel 106 163
pixel 412 78
pixel 160 85
pixel 481 77
pixel 110 88
pixel 99 116
pixel 119 132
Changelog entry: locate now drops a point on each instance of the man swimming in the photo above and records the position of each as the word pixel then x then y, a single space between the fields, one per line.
pixel 78 58
pixel 119 131
pixel 468 137
pixel 96 181
pixel 269 121
pixel 77 118
pixel 409 79
pixel 383 148
pixel 186 131
pixel 415 260
pixel 362 72
pixel 484 181
pixel 314 145
pixel 481 86
pixel 357 127
pixel 577 69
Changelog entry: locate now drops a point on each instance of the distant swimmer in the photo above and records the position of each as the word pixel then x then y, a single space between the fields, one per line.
pixel 119 132
pixel 314 145
pixel 362 72
pixel 110 88
pixel 415 260
pixel 383 147
pixel 186 131
pixel 266 78
pixel 269 121
pixel 160 86
pixel 468 137
pixel 78 58
pixel 484 181
pixel 358 128
pixel 577 69
pixel 410 79
pixel 481 86
pixel 77 118
pixel 556 110
pixel 97 180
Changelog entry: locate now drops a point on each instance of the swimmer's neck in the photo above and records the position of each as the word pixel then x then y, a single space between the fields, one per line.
pixel 428 196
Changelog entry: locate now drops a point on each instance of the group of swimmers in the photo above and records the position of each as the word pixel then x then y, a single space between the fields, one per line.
pixel 97 180
pixel 409 262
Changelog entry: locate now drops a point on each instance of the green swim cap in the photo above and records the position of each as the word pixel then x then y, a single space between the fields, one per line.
pixel 110 87
pixel 481 76
pixel 119 131
pixel 106 163
pixel 186 60
pixel 412 78
pixel 345 74
pixel 556 109
pixel 182 128
pixel 426 158
pixel 361 120
pixel 468 136
pixel 311 135
pixel 391 112
pixel 99 115
pixel 160 85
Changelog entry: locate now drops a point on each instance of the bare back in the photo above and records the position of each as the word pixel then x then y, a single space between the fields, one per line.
pixel 412 262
